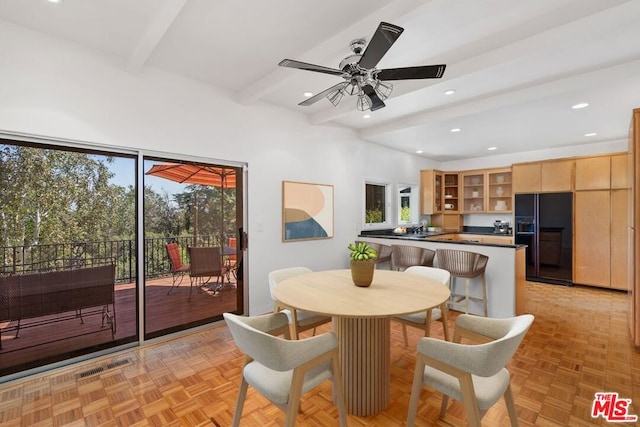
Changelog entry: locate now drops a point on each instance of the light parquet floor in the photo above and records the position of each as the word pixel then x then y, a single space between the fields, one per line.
pixel 579 344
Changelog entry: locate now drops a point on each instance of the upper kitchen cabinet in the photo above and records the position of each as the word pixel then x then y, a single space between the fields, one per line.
pixel 551 176
pixel 473 191
pixel 431 192
pixel 526 178
pixel 620 171
pixel 499 190
pixel 451 192
pixel 593 173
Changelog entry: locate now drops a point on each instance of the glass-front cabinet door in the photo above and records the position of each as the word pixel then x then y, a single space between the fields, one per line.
pixel 473 190
pixel 499 197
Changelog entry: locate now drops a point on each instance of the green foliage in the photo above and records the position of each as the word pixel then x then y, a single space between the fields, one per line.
pixel 373 216
pixel 405 214
pixel 362 252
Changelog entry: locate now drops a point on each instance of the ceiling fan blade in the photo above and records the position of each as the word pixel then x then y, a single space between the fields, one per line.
pixel 381 41
pixel 412 73
pixel 310 67
pixel 317 97
pixel 376 102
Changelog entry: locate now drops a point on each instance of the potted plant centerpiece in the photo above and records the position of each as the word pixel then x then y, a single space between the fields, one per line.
pixel 362 263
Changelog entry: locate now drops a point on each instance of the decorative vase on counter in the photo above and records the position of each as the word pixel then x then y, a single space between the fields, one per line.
pixel 362 272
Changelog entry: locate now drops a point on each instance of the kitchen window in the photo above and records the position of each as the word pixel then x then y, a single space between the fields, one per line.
pixel 376 203
pixel 407 204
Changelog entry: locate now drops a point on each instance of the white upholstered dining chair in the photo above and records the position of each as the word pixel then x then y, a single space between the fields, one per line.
pixel 472 374
pixel 422 319
pixel 299 320
pixel 283 370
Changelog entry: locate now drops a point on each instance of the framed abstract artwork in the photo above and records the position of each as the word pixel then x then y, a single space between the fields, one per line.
pixel 307 211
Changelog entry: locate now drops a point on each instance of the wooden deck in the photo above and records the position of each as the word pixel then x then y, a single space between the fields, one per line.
pixel 72 337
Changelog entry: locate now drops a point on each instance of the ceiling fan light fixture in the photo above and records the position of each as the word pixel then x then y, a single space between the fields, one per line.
pixel 364 102
pixel 335 96
pixel 383 89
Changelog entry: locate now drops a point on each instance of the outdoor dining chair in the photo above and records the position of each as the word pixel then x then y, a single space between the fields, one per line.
pixel 178 269
pixel 206 263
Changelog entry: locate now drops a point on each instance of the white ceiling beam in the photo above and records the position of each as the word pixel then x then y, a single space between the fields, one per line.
pixel 586 80
pixel 513 44
pixel 156 29
pixel 327 49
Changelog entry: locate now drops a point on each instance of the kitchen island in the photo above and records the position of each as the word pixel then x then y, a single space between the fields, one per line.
pixel 505 273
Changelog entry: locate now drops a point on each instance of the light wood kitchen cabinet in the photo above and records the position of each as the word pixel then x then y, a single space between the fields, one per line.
pixel 431 192
pixel 473 191
pixel 556 176
pixel 619 238
pixel 499 190
pixel 592 241
pixel 551 176
pixel 593 173
pixel 526 178
pixel 619 171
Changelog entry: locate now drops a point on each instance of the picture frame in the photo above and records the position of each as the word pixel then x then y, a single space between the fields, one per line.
pixel 307 211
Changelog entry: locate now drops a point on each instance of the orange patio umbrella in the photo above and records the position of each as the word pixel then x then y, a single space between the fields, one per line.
pixel 193 173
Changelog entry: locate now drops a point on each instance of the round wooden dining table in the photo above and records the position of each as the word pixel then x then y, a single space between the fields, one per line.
pixel 361 319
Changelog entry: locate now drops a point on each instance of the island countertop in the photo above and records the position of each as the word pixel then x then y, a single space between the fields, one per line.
pixel 505 273
pixel 462 238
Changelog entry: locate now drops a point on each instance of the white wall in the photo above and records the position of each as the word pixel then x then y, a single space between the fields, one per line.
pixel 59 90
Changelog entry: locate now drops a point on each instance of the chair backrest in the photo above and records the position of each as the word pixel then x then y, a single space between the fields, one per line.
pixel 438 274
pixel 403 256
pixel 278 276
pixel 251 335
pixel 384 251
pixel 205 262
pixel 488 359
pixel 175 260
pixel 461 263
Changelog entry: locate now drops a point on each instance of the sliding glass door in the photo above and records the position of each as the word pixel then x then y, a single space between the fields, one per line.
pixel 192 228
pixel 68 274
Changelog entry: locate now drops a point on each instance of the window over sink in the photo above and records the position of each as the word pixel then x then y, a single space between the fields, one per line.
pixel 376 203
pixel 408 204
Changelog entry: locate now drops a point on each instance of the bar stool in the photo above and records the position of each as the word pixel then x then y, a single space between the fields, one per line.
pixel 467 265
pixel 403 256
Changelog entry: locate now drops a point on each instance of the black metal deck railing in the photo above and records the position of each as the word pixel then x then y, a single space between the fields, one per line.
pixel 59 256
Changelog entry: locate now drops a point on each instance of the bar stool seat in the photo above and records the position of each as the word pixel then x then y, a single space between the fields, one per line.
pixel 467 265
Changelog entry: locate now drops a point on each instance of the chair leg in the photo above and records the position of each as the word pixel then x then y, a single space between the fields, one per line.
pixel 242 395
pixel 293 326
pixel 484 295
pixel 416 388
pixel 511 406
pixel 467 284
pixel 443 406
pixel 469 401
pixel 404 335
pixel 295 392
pixel 427 323
pixel 445 320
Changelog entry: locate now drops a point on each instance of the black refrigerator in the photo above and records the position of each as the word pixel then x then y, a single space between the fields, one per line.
pixel 544 222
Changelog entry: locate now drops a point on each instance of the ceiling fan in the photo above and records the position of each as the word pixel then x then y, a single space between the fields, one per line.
pixel 361 76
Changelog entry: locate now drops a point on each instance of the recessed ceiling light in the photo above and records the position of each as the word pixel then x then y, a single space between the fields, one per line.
pixel 308 94
pixel 456 130
pixel 55 1
pixel 419 151
pixel 366 116
pixel 492 148
pixel 580 105
pixel 590 134
pixel 449 92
